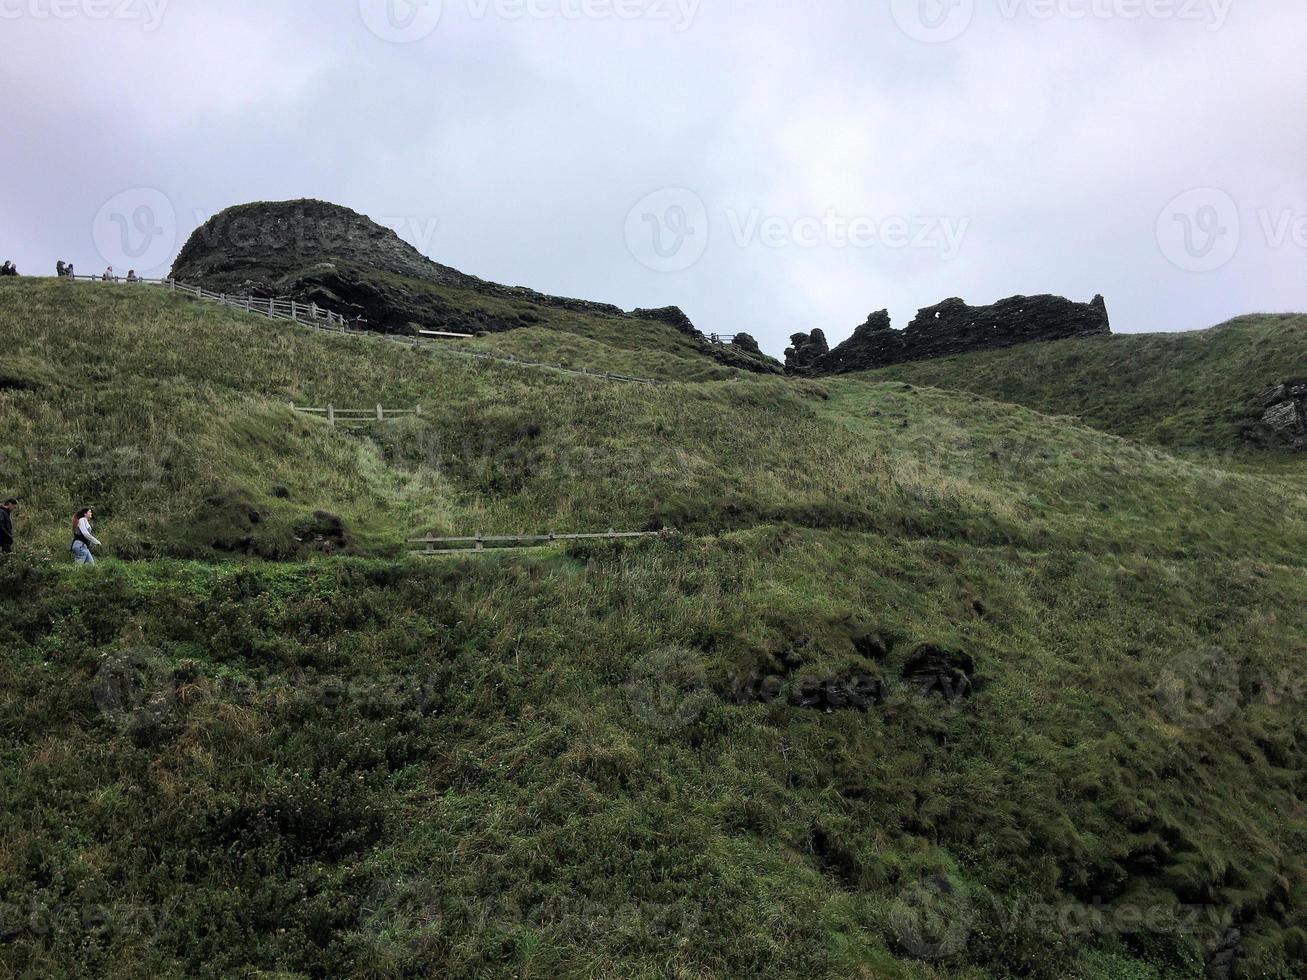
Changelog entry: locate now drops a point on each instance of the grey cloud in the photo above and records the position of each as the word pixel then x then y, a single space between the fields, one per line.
pixel 512 141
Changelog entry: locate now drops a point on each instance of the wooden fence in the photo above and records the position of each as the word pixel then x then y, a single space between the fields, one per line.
pixel 518 542
pixel 447 334
pixel 315 316
pixel 352 416
pixel 273 308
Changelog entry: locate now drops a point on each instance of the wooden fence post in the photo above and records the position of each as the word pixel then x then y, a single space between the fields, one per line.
pixel 294 310
pixel 331 414
pixel 381 414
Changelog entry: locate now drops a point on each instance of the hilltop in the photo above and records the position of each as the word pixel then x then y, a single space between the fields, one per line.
pixel 323 253
pixel 927 685
pixel 1204 391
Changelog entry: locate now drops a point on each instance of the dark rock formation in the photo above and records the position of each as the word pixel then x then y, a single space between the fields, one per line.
pixel 747 356
pixel 747 343
pixel 673 316
pixel 342 260
pixel 1286 412
pixel 330 255
pixel 805 352
pixel 953 327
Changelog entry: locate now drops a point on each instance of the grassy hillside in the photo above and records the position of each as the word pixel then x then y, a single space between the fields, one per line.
pixel 580 338
pixel 1190 391
pixel 928 686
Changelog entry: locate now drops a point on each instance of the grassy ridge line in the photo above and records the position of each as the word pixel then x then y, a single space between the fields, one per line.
pixel 623 344
pixel 1191 391
pixel 179 443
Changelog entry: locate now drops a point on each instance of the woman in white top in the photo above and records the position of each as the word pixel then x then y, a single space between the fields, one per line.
pixel 83 539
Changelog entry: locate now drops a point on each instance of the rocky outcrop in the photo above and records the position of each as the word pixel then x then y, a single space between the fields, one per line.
pixel 953 327
pixel 345 262
pixel 673 316
pixel 746 356
pixel 806 350
pixel 1285 412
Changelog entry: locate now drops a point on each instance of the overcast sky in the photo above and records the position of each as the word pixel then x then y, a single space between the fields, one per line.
pixel 767 165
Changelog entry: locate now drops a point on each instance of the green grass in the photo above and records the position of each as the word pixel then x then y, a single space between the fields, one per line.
pixel 1191 391
pixel 224 753
pixel 574 338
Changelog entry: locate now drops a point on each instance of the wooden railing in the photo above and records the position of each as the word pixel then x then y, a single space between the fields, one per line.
pixel 353 416
pixel 315 316
pixel 272 307
pixel 516 542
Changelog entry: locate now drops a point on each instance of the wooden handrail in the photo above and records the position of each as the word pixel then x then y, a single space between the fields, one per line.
pixel 291 309
pixel 504 542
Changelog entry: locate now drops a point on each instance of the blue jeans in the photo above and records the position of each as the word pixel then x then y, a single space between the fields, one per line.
pixel 82 554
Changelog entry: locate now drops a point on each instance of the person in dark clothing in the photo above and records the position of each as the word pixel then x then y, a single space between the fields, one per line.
pixel 7 526
pixel 8 269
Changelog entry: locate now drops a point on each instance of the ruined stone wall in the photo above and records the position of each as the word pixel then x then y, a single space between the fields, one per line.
pixel 953 327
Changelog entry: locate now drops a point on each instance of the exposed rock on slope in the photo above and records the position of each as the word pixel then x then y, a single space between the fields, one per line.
pixel 323 253
pixel 806 351
pixel 951 327
pixel 1286 412
pixel 311 247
